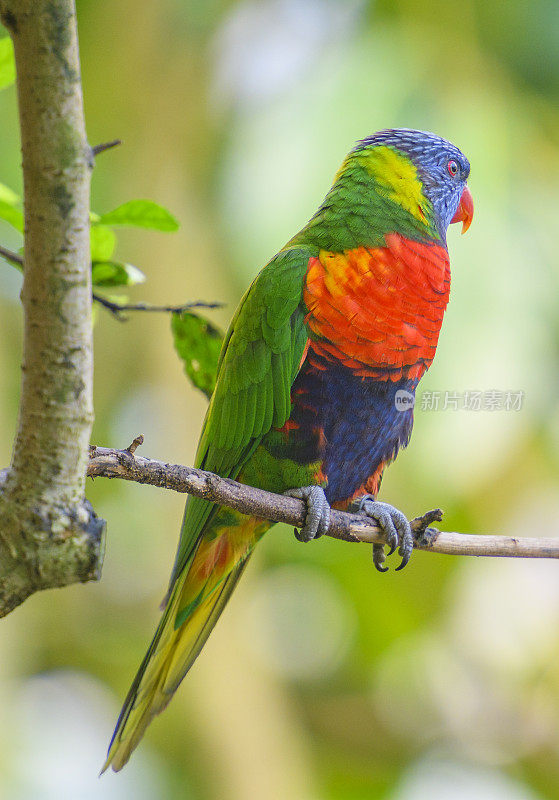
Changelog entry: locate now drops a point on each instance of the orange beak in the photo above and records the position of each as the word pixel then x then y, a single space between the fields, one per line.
pixel 465 213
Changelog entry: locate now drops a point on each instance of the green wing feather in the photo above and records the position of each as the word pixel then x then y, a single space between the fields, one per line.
pixel 259 360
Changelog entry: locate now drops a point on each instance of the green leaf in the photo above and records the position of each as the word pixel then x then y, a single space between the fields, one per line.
pixel 102 242
pixel 7 63
pixel 7 196
pixel 113 273
pixel 143 214
pixel 12 215
pixel 198 344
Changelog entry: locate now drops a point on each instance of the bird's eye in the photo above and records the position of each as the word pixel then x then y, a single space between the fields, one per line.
pixel 452 167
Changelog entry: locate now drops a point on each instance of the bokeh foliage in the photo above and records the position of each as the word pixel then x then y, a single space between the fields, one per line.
pixel 324 679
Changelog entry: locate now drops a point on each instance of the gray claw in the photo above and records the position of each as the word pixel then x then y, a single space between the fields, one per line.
pixel 318 512
pixel 379 557
pixel 396 528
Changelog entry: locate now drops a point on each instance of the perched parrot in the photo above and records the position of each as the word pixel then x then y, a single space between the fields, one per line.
pixel 346 316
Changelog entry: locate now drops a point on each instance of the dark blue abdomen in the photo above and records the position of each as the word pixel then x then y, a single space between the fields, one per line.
pixel 353 424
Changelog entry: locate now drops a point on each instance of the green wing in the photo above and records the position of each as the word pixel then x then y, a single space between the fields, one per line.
pixel 259 361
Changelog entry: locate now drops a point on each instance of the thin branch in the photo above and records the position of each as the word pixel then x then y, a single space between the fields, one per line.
pixel 118 309
pixel 125 464
pixel 100 148
pixel 11 256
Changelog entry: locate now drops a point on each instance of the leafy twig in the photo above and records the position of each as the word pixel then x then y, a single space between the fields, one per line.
pixel 118 309
pixel 109 463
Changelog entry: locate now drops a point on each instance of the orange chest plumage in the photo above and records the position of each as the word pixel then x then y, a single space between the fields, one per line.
pixel 378 310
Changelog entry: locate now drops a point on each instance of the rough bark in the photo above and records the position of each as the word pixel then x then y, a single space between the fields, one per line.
pixel 49 535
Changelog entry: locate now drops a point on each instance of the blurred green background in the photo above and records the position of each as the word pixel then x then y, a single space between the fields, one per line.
pixel 325 680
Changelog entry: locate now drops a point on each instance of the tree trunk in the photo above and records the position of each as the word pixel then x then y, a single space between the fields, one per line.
pixel 49 535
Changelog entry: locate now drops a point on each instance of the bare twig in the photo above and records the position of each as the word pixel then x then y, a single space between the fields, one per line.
pixel 108 463
pixel 11 256
pixel 100 148
pixel 139 440
pixel 118 309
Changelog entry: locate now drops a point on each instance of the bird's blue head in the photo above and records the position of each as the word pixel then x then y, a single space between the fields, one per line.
pixel 441 168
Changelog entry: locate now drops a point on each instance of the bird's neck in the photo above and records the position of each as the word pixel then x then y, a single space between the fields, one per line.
pixel 374 193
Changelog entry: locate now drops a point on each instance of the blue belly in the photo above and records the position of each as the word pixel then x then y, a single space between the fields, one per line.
pixel 353 424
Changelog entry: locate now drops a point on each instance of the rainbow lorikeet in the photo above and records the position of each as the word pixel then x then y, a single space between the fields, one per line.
pixel 341 322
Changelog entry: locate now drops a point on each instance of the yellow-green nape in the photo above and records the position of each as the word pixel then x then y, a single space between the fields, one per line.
pixel 396 175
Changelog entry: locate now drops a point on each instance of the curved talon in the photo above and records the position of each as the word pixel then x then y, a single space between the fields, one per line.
pixel 317 519
pixel 396 528
pixel 405 550
pixel 379 557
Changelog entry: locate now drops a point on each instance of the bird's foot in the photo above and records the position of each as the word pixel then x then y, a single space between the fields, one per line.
pixel 318 512
pixel 395 527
